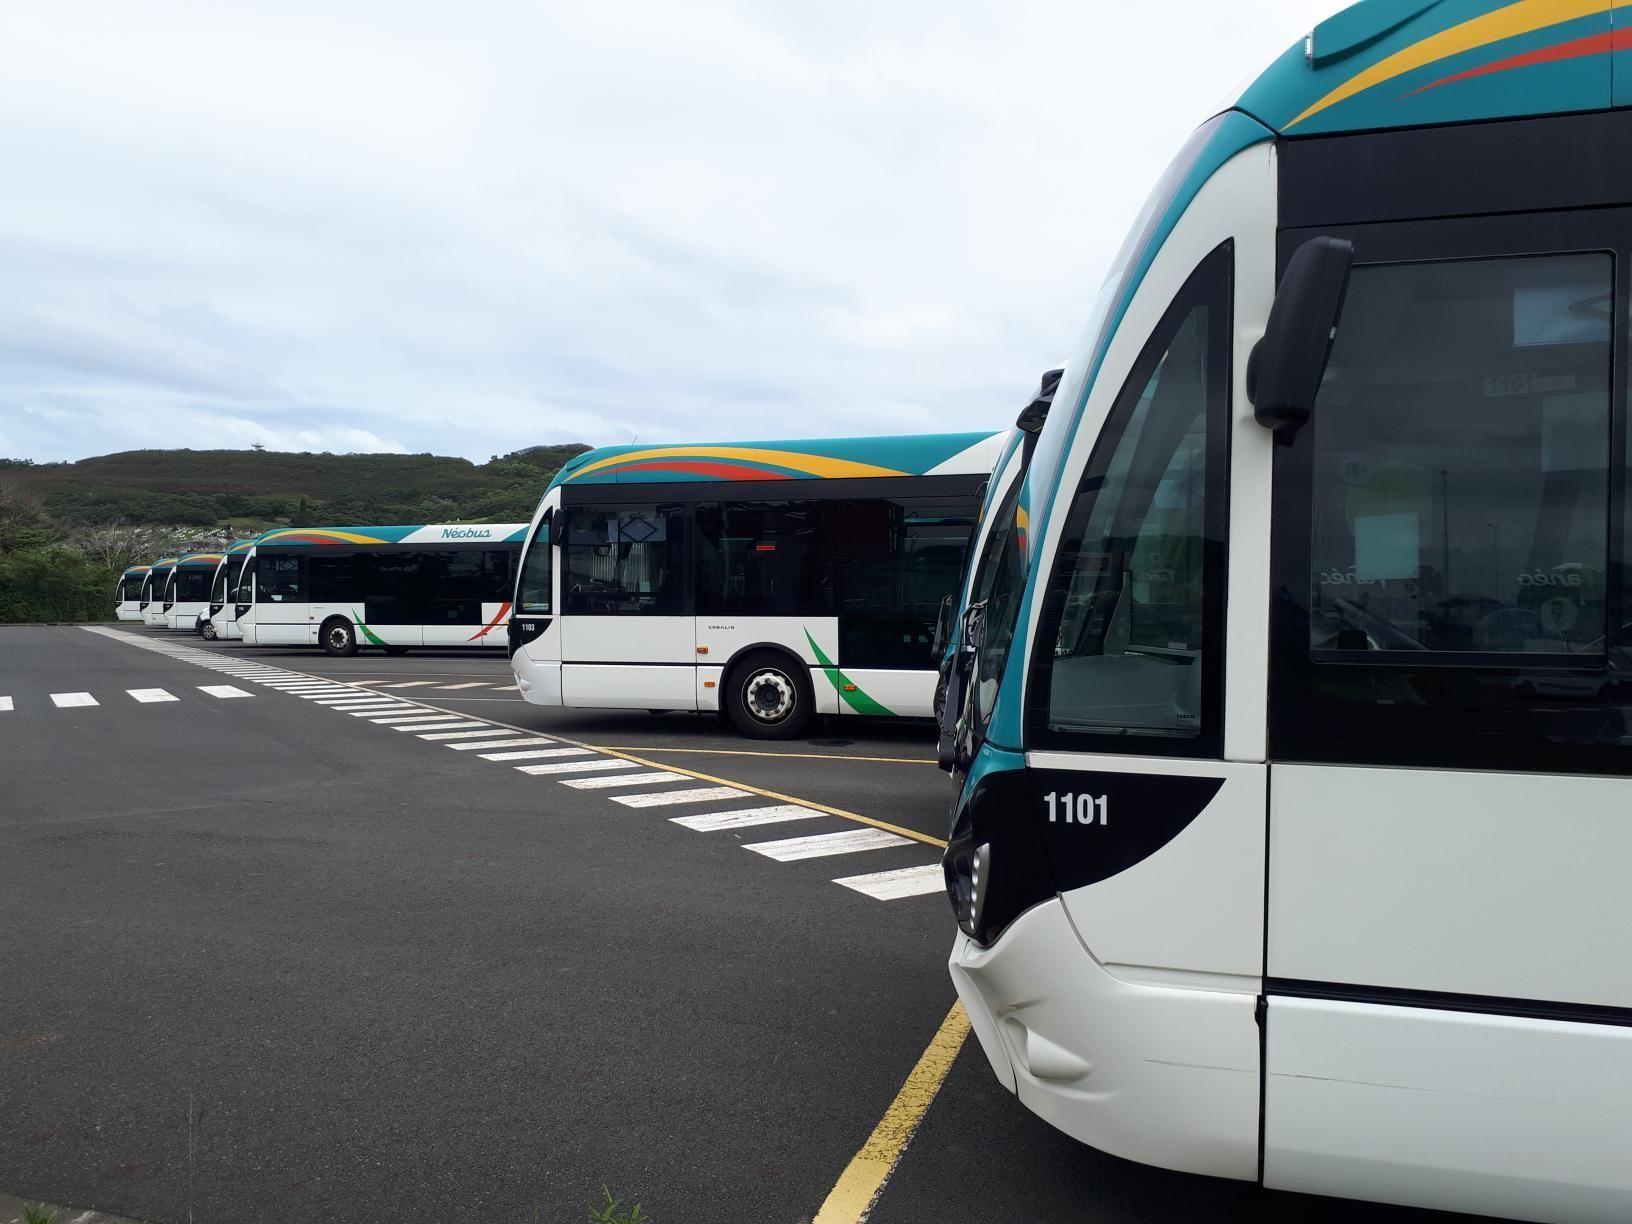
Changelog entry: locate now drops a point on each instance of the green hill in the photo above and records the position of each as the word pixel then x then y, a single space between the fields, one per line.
pixel 68 529
pixel 189 488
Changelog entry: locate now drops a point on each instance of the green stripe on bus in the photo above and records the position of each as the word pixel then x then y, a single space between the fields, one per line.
pixel 857 700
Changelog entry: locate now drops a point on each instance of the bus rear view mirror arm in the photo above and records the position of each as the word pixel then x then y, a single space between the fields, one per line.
pixel 1286 366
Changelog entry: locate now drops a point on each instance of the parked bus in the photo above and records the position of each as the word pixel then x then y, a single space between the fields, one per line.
pixel 343 588
pixel 220 622
pixel 996 507
pixel 127 594
pixel 152 599
pixel 767 580
pixel 1293 821
pixel 187 589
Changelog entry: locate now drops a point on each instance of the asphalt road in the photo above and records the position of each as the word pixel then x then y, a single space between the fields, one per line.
pixel 273 957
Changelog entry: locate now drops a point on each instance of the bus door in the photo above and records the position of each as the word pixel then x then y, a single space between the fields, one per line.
pixel 1450 685
pixel 628 636
pixel 282 613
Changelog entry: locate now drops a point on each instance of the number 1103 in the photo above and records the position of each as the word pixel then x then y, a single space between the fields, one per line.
pixel 1083 809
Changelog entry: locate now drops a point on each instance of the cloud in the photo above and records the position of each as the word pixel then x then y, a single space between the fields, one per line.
pixel 371 226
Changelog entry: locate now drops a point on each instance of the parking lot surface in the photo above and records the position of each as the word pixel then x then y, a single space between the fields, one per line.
pixel 371 938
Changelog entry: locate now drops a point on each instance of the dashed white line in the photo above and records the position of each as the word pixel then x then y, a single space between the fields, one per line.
pixel 146 696
pixel 562 767
pixel 5 704
pixel 713 822
pixel 650 778
pixel 822 844
pixel 222 690
pixel 532 753
pixel 64 700
pixel 902 882
pixel 700 794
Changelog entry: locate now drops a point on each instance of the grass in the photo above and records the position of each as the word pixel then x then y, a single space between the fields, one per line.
pixel 611 1211
pixel 39 1213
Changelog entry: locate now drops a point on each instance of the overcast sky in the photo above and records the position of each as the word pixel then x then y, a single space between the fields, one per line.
pixel 472 228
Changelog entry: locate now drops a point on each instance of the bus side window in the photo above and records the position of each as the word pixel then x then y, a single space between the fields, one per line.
pixel 533 592
pixel 625 561
pixel 1130 641
pixel 278 579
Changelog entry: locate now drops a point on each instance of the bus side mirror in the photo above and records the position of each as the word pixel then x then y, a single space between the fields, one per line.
pixel 1286 366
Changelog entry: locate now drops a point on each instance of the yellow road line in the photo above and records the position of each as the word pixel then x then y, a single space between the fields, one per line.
pixel 622 755
pixel 778 756
pixel 852 1198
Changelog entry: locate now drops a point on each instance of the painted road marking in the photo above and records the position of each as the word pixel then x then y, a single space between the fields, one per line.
pixel 437 724
pixel 650 778
pixel 600 765
pixel 351 702
pixel 508 688
pixel 864 1178
pixel 453 688
pixel 408 684
pixel 376 711
pixel 147 695
pixel 713 822
pixel 701 794
pixel 497 743
pixel 413 715
pixel 5 704
pixel 851 841
pixel 902 882
pixel 780 756
pixel 378 704
pixel 453 735
pixel 534 752
pixel 222 690
pixel 65 700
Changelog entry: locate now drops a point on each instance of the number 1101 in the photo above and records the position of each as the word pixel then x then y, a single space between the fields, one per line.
pixel 1082 809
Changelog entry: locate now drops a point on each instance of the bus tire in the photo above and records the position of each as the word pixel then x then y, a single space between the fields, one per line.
pixel 206 630
pixel 338 636
pixel 768 696
pixel 396 650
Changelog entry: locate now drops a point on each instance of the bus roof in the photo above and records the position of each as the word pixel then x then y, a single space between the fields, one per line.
pixel 820 458
pixel 136 569
pixel 425 534
pixel 1401 63
pixel 238 546
pixel 210 560
pixel 162 561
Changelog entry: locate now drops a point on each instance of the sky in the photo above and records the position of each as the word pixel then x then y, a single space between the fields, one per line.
pixel 471 229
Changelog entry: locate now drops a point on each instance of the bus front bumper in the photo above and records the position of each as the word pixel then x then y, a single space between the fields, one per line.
pixel 1160 1074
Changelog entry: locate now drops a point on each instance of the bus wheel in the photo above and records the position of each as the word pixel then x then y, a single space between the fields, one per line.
pixel 206 630
pixel 338 637
pixel 769 697
pixel 396 650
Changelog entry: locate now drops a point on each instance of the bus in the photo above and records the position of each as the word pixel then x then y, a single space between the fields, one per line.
pixel 996 507
pixel 127 593
pixel 345 588
pixel 186 593
pixel 220 622
pixel 152 595
pixel 1293 805
pixel 766 581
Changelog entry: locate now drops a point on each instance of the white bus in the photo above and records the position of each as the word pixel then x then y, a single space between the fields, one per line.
pixel 220 622
pixel 127 594
pixel 186 594
pixel 769 581
pixel 151 603
pixel 1294 819
pixel 345 588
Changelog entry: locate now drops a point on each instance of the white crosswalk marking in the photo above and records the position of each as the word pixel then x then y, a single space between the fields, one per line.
pixel 822 844
pixel 387 719
pixel 437 725
pixel 5 704
pixel 601 765
pixel 453 688
pixel 349 702
pixel 222 690
pixel 650 778
pixel 512 742
pixel 485 731
pixel 149 695
pixel 713 822
pixel 902 882
pixel 701 794
pixel 527 753
pixel 407 684
pixel 376 711
pixel 64 700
